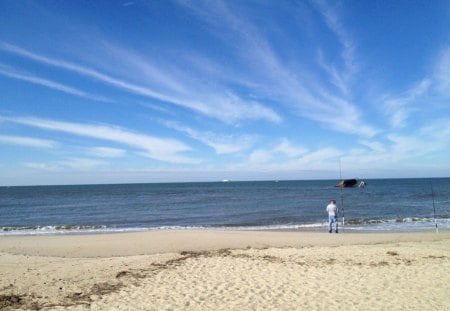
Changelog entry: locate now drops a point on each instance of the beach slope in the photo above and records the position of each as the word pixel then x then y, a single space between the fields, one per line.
pixel 226 270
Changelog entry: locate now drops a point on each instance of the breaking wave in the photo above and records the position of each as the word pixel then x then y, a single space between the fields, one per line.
pixel 356 224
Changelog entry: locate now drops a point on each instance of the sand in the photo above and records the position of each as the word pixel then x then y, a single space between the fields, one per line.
pixel 225 270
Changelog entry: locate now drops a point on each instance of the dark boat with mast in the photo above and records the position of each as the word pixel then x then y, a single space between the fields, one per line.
pixel 350 183
pixel 347 183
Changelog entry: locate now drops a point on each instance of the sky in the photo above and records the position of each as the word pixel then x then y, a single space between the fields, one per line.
pixel 173 91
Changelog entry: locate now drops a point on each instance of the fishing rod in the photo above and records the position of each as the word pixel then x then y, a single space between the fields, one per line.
pixel 342 196
pixel 434 208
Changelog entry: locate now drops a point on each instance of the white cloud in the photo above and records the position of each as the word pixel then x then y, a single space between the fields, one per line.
pixel 289 149
pixel 401 151
pixel 374 146
pixel 269 160
pixel 27 141
pixel 51 167
pixel 198 88
pixel 75 164
pixel 425 141
pixel 82 164
pixel 438 130
pixel 291 86
pixel 222 144
pixel 398 109
pixel 49 84
pixel 219 103
pixel 167 150
pixel 320 159
pixel 259 157
pixel 107 152
pixel 339 77
pixel 433 90
pixel 333 73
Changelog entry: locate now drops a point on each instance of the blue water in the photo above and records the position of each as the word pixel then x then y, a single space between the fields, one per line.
pixel 383 205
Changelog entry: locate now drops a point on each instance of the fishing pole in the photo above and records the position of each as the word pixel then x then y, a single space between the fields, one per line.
pixel 342 196
pixel 434 208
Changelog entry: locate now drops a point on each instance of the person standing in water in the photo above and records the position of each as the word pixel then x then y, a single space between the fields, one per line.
pixel 332 211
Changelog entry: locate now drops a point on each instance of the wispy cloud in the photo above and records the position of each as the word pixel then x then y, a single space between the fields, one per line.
pixel 287 156
pixel 405 150
pixel 27 141
pixel 324 158
pixel 226 106
pixel 289 149
pixel 107 152
pixel 82 164
pixel 199 88
pixel 166 150
pixel 398 109
pixel 432 91
pixel 79 69
pixel 75 164
pixel 259 156
pixel 291 86
pixel 374 146
pixel 222 144
pixel 7 72
pixel 51 167
pixel 332 20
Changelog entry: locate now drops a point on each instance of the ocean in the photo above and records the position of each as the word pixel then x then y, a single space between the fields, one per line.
pixel 383 205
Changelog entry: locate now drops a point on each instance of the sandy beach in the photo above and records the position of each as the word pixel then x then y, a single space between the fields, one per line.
pixel 226 270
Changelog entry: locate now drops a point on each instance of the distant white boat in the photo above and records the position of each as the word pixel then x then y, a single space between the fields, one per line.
pixel 225 180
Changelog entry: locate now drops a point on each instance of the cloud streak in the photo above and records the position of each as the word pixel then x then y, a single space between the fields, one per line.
pixel 166 150
pixel 75 164
pixel 107 152
pixel 49 84
pixel 398 109
pixel 28 141
pixel 293 87
pixel 222 144
pixel 332 20
pixel 228 107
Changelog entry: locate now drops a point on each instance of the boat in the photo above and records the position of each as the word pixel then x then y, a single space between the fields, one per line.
pixel 347 183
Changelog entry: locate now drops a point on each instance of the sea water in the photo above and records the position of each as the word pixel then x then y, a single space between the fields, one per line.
pixel 383 205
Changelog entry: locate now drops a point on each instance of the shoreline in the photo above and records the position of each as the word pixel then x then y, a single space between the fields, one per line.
pixel 175 241
pixel 226 270
pixel 316 227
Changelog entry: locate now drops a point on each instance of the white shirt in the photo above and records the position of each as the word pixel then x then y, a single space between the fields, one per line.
pixel 332 209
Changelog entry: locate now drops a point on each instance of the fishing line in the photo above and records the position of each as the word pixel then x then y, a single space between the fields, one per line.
pixel 342 196
pixel 434 208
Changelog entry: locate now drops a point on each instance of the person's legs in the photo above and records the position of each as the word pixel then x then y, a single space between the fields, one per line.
pixel 330 223
pixel 336 222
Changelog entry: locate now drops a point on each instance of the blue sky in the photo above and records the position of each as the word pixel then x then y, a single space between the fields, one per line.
pixel 162 91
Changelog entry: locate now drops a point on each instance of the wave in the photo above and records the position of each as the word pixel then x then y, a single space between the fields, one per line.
pixel 71 229
pixel 399 220
pixel 41 230
pixel 396 224
pixel 57 227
